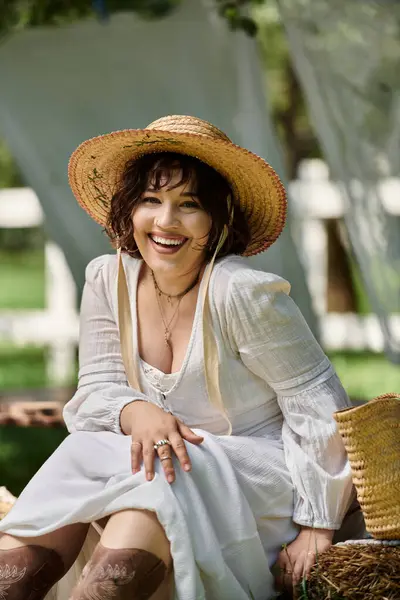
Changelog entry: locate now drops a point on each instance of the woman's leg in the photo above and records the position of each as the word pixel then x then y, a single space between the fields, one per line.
pixel 29 567
pixel 131 562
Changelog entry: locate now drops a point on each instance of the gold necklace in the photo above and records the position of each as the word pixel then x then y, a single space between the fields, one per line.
pixel 159 293
pixel 170 296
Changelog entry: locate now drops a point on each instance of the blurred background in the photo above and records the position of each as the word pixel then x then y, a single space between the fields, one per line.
pixel 311 85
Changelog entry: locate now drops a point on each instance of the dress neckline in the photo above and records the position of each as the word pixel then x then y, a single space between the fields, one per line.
pixel 148 366
pixel 177 374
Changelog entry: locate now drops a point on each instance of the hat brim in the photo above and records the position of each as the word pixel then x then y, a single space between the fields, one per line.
pixel 96 166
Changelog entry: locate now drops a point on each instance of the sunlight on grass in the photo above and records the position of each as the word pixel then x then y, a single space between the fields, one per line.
pixel 22 367
pixel 366 375
pixel 22 276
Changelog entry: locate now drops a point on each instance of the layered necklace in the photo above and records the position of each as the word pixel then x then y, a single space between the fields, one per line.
pixel 168 323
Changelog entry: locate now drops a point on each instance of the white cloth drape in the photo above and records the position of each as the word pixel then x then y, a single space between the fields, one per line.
pixel 347 58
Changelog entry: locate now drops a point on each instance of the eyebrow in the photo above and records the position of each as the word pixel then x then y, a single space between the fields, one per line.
pixel 185 194
pixel 190 194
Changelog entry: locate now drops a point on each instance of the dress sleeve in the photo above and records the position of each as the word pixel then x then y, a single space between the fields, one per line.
pixel 275 343
pixel 103 390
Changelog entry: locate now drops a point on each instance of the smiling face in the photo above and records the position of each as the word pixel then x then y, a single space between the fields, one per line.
pixel 170 226
pixel 198 218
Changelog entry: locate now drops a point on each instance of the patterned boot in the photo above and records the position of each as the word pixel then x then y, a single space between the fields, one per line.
pixel 120 574
pixel 29 572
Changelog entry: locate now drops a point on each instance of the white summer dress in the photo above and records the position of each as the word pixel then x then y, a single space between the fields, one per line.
pixel 283 465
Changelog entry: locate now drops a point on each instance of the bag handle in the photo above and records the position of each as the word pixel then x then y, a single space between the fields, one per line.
pixel 125 326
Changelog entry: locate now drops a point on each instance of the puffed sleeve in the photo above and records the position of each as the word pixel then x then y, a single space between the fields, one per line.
pixel 103 390
pixel 276 344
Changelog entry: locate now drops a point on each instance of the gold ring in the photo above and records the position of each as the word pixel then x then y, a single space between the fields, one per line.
pixel 160 443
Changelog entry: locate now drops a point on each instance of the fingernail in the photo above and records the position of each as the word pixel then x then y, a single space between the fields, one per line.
pixel 170 478
pixel 186 467
pixel 149 476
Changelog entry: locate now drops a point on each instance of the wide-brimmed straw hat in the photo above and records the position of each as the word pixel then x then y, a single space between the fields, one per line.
pixel 96 166
pixel 371 435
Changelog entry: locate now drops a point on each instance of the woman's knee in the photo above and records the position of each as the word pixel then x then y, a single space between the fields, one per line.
pixel 137 529
pixel 121 573
pixel 66 542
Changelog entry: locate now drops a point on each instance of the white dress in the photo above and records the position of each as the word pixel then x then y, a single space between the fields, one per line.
pixel 284 464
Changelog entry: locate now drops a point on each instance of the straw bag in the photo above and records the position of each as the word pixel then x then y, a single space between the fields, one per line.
pixel 371 435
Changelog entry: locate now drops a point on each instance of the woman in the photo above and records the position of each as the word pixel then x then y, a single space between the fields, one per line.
pixel 202 437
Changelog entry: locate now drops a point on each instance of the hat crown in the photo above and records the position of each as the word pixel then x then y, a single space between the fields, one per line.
pixel 186 124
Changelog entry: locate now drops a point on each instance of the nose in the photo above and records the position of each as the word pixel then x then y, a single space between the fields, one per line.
pixel 167 216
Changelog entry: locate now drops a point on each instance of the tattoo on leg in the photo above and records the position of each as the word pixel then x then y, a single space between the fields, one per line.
pixel 29 572
pixel 120 574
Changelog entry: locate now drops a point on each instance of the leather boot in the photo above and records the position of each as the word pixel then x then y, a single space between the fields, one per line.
pixel 120 574
pixel 29 572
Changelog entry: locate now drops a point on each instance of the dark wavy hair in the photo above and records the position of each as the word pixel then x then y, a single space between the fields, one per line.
pixel 211 189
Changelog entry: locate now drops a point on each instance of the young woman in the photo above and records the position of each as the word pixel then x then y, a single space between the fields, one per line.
pixel 202 437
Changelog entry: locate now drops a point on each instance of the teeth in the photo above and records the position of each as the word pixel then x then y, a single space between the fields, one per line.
pixel 167 242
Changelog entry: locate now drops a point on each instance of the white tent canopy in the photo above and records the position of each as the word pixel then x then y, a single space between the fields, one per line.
pixel 60 86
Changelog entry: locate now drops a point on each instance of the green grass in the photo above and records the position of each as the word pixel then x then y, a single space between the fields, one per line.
pixel 22 367
pixel 365 375
pixel 22 277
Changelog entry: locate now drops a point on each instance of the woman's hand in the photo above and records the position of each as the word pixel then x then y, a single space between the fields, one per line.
pixel 296 559
pixel 148 424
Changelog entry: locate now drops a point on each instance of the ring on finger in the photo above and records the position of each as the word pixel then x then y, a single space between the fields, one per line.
pixel 160 443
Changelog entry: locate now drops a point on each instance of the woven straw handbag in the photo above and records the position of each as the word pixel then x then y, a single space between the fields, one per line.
pixel 371 435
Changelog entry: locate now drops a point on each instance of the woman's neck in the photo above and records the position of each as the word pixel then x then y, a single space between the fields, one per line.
pixel 173 285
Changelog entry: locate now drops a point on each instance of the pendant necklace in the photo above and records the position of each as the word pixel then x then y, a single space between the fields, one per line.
pixel 179 297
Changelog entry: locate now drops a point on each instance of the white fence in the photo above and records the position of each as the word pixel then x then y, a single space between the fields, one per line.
pixel 314 198
pixel 57 325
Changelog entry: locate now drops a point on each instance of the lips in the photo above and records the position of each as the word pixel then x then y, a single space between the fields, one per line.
pixel 167 242
pixel 167 245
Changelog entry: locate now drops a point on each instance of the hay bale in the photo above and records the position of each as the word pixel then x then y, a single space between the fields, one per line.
pixel 6 501
pixel 361 571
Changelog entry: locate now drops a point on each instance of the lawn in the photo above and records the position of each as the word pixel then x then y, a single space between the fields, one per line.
pixel 22 368
pixel 22 280
pixel 365 374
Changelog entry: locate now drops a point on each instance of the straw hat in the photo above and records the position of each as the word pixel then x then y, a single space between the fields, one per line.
pixel 96 166
pixel 371 435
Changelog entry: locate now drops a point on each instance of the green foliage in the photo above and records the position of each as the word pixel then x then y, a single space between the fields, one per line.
pixel 234 13
pixel 9 174
pixel 23 451
pixel 239 15
pixel 20 239
pixel 18 14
